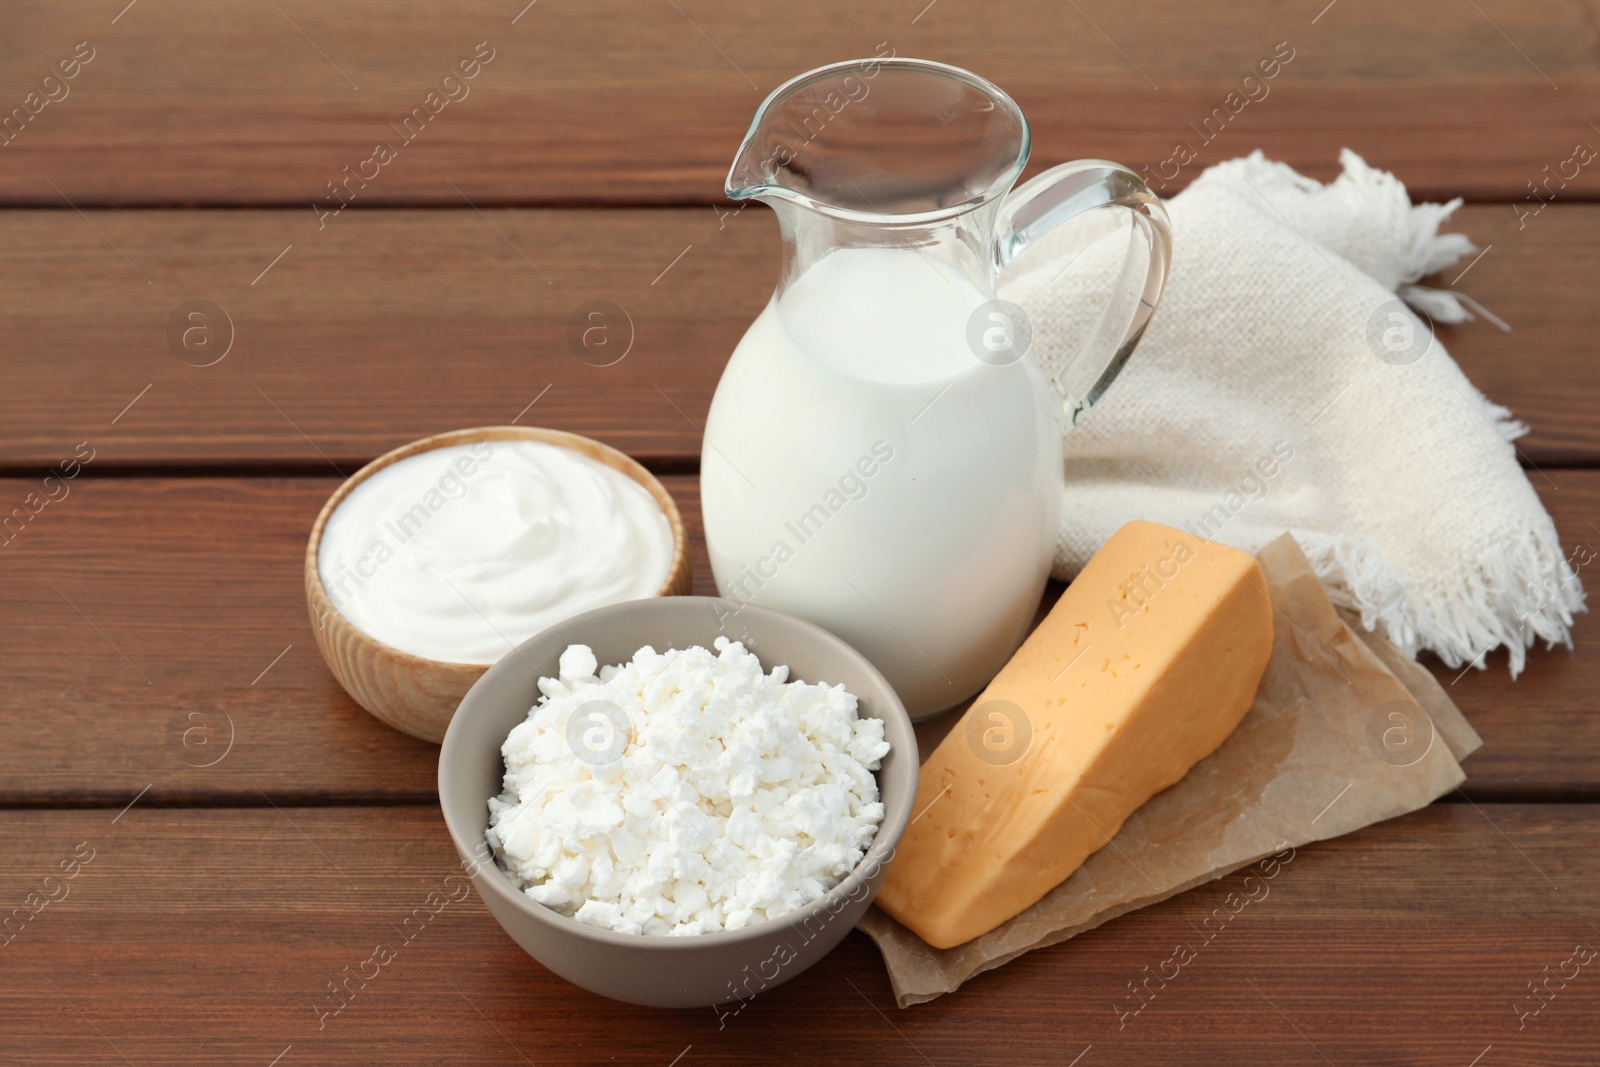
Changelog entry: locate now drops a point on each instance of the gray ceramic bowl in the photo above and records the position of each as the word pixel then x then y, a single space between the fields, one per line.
pixel 668 972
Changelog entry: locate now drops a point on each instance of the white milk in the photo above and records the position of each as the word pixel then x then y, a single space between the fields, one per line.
pixel 865 470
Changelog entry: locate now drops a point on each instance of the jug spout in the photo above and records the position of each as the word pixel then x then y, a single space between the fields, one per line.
pixel 796 112
pixel 750 177
pixel 882 139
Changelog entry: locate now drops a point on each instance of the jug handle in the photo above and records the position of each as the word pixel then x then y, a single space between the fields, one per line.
pixel 1061 193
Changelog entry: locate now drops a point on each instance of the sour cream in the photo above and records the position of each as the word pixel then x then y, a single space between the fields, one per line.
pixel 460 553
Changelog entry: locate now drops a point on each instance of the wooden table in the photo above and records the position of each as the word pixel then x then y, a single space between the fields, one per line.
pixel 239 832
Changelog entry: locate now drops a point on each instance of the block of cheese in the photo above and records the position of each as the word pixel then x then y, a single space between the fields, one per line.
pixel 1145 666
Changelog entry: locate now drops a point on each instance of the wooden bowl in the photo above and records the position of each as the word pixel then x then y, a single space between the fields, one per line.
pixel 414 694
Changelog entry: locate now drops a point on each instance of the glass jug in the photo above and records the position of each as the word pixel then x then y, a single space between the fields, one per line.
pixel 883 453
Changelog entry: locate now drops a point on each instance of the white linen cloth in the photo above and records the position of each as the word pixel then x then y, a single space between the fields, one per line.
pixel 1275 390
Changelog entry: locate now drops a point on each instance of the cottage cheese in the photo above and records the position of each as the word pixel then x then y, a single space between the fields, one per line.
pixel 685 792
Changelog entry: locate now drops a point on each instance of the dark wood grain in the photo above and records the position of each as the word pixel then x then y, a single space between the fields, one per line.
pixel 391 325
pixel 142 611
pixel 1407 942
pixel 614 102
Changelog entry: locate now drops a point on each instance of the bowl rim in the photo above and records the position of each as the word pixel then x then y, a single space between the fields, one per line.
pixel 879 853
pixel 608 456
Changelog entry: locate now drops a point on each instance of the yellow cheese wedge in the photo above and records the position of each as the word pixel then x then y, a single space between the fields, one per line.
pixel 1145 666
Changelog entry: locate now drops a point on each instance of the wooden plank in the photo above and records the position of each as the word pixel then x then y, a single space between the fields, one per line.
pixel 391 325
pixel 152 619
pixel 197 102
pixel 1561 687
pixel 212 937
pixel 168 645
pixel 1540 369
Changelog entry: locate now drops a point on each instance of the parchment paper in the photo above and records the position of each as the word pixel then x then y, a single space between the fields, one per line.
pixel 1345 732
